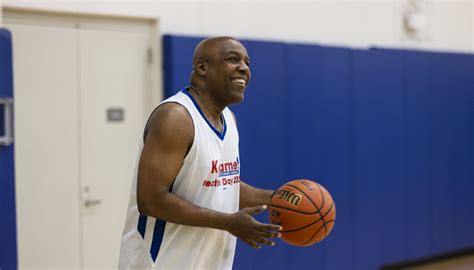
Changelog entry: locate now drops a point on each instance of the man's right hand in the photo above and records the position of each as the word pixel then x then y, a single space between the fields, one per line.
pixel 242 225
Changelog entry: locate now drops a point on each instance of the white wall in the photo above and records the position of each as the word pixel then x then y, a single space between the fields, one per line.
pixel 357 23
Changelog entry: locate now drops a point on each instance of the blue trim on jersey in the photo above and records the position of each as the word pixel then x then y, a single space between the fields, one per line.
pixel 158 233
pixel 221 135
pixel 141 227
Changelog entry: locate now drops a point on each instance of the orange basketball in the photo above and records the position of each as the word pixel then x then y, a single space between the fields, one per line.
pixel 305 210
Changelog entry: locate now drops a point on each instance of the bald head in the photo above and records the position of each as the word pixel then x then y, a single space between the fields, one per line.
pixel 207 48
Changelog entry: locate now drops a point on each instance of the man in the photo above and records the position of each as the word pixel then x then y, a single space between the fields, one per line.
pixel 188 204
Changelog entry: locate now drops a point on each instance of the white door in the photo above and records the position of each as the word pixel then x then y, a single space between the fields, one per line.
pixel 112 75
pixel 46 137
pixel 74 164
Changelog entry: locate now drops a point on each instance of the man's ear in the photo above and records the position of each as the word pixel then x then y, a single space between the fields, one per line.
pixel 201 68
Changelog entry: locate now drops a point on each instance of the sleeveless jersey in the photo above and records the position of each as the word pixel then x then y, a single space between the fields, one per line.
pixel 208 178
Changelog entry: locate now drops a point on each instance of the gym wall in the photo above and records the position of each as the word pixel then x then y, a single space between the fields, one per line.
pixel 358 23
pixel 388 132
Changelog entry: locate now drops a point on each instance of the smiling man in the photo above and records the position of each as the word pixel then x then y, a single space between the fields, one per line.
pixel 188 204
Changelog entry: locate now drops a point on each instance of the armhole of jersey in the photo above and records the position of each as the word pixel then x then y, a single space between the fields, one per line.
pixel 192 120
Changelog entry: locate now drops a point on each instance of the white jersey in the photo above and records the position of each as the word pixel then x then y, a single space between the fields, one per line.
pixel 209 178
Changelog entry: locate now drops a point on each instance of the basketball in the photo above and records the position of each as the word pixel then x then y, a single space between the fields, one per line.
pixel 305 210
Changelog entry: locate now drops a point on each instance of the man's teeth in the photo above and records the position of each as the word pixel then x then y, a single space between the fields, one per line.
pixel 241 81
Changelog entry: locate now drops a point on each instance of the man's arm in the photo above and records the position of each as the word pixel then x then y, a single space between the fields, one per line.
pixel 169 134
pixel 251 196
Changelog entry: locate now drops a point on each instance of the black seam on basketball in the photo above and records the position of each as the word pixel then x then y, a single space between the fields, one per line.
pixel 312 223
pixel 322 194
pixel 309 198
pixel 315 233
pixel 294 210
pixel 324 224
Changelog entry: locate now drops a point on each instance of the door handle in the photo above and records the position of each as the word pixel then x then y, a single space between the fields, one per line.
pixel 6 104
pixel 89 199
pixel 92 202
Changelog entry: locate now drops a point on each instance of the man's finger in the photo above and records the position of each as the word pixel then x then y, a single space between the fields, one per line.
pixel 269 227
pixel 256 209
pixel 268 234
pixel 264 241
pixel 252 243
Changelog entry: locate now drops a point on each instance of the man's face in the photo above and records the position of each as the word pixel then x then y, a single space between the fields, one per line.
pixel 228 71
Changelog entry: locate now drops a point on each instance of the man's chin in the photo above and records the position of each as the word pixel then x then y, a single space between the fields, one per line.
pixel 237 98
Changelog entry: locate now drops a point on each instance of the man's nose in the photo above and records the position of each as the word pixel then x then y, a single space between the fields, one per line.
pixel 243 67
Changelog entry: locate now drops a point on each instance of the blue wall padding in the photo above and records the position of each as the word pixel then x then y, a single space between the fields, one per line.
pixel 319 90
pixel 463 159
pixel 378 156
pixel 388 132
pixel 8 248
pixel 6 83
pixel 442 142
pixel 417 136
pixel 449 139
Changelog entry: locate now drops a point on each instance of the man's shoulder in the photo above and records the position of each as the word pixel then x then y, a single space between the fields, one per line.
pixel 170 117
pixel 170 113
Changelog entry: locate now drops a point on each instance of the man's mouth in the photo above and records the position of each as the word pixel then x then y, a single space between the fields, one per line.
pixel 239 81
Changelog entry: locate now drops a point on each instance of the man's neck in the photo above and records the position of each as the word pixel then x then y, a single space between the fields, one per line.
pixel 208 105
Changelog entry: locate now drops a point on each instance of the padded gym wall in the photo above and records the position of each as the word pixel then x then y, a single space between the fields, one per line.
pixel 8 243
pixel 319 146
pixel 377 157
pixel 388 132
